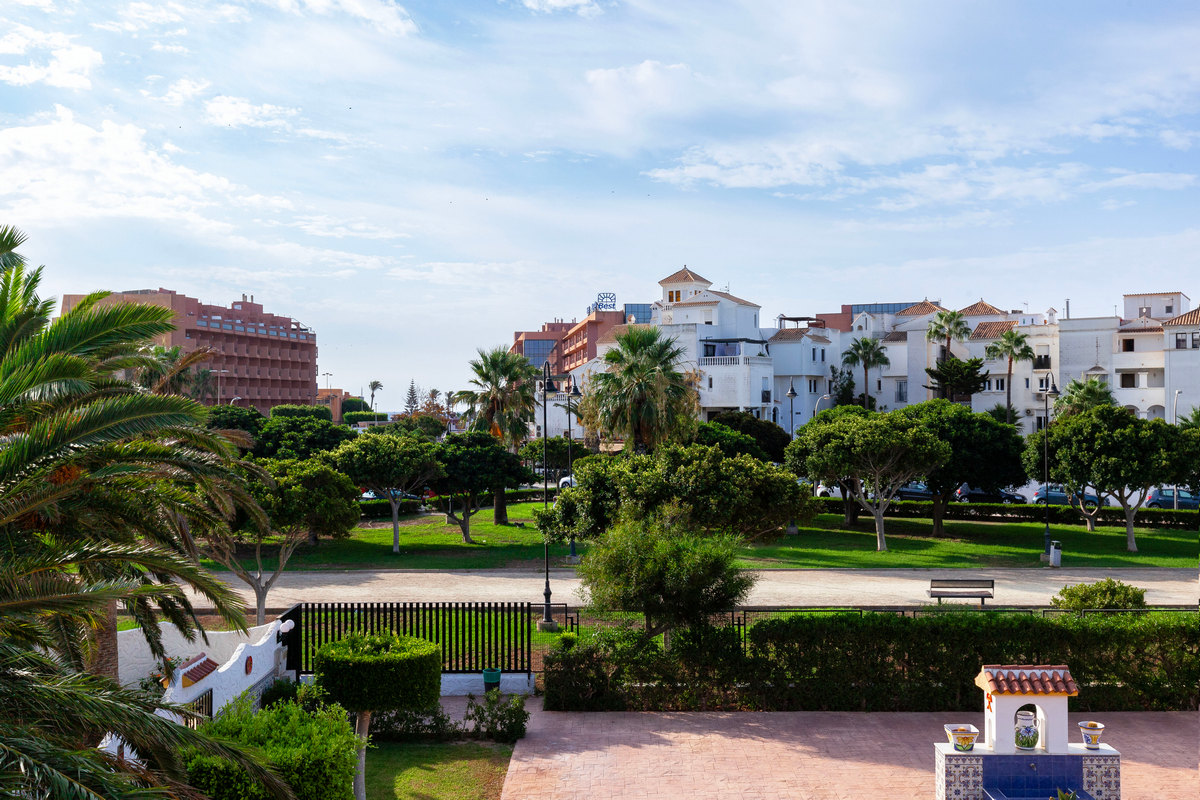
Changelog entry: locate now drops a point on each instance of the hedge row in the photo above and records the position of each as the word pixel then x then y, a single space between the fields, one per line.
pixel 355 417
pixel 1059 515
pixel 381 509
pixel 882 662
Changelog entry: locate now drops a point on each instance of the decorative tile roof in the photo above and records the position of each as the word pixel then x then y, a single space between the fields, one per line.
pixel 796 334
pixel 1026 680
pixel 737 300
pixel 980 309
pixel 920 309
pixel 1190 318
pixel 696 303
pixel 684 275
pixel 896 336
pixel 1141 325
pixel 616 330
pixel 1150 294
pixel 993 330
pixel 198 669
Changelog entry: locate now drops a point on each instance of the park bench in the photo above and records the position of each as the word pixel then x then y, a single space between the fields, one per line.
pixel 970 588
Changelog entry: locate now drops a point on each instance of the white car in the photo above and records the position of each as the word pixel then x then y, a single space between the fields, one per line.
pixel 567 481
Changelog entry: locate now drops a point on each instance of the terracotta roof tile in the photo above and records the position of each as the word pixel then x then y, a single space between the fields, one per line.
pixel 993 330
pixel 896 336
pixel 737 300
pixel 920 309
pixel 201 667
pixel 980 309
pixel 1027 679
pixel 1190 318
pixel 684 275
pixel 696 303
pixel 788 334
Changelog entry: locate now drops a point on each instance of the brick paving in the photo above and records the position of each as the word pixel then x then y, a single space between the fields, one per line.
pixel 798 755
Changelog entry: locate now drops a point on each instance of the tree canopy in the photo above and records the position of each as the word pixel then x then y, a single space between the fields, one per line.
pixel 299 437
pixel 475 464
pixel 771 438
pixel 954 378
pixel 1080 396
pixel 240 418
pixel 868 353
pixel 730 442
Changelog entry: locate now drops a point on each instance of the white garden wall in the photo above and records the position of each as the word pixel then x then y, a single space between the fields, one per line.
pixel 135 661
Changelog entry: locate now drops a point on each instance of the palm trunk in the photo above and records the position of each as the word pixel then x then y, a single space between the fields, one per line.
pixel 105 659
pixel 1008 392
pixel 866 389
pixel 500 504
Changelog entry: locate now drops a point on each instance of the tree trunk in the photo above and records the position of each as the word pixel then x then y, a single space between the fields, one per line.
pixel 1130 543
pixel 394 502
pixel 500 503
pixel 312 537
pixel 1008 393
pixel 105 659
pixel 260 601
pixel 465 524
pixel 850 507
pixel 362 728
pixel 866 389
pixel 940 503
pixel 880 542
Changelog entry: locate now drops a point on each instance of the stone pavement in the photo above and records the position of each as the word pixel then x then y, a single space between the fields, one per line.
pixel 799 587
pixel 798 755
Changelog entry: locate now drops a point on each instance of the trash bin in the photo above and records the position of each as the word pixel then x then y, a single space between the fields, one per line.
pixel 1055 554
pixel 491 680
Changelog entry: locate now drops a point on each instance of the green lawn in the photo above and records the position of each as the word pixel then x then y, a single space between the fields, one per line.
pixel 428 543
pixel 459 771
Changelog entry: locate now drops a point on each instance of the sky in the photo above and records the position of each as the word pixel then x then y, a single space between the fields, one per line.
pixel 418 180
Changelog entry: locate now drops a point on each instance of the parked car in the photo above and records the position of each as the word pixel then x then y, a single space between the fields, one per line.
pixel 1057 496
pixel 1164 497
pixel 968 494
pixel 824 490
pixel 914 490
pixel 569 480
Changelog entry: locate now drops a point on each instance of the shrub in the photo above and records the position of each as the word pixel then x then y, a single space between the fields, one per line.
pixel 281 690
pixel 315 412
pixel 497 719
pixel 1059 515
pixel 355 417
pixel 403 725
pixel 380 672
pixel 314 751
pixel 1101 594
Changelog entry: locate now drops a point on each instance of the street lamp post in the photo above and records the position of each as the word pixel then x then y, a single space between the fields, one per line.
pixel 219 372
pixel 547 621
pixel 817 404
pixel 791 396
pixel 326 375
pixel 1051 391
pixel 233 400
pixel 1175 421
pixel 449 408
pixel 572 393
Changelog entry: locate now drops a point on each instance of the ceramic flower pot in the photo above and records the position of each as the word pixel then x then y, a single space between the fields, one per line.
pixel 962 736
pixel 1026 732
pixel 1091 734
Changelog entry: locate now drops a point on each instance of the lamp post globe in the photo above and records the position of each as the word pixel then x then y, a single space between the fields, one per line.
pixel 1051 391
pixel 546 623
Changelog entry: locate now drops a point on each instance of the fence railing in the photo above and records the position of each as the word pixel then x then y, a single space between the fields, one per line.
pixel 473 636
pixel 202 705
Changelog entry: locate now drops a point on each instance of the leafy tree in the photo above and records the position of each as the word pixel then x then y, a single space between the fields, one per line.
pixel 769 436
pixel 1081 396
pixel 1012 346
pixel 740 495
pixel 1185 459
pixel 557 452
pixel 730 442
pixel 412 400
pixel 841 385
pixel 314 412
pixel 954 378
pixel 391 466
pixel 373 387
pixel 1190 420
pixel 796 455
pixel 983 452
pixel 1001 413
pixel 1113 451
pixel 867 353
pixel 502 402
pixel 874 454
pixel 236 418
pixel 642 396
pixel 422 425
pixel 474 464
pixel 949 326
pixel 353 404
pixel 299 438
pixel 675 576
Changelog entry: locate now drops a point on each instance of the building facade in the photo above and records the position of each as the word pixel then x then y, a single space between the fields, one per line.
pixel 262 359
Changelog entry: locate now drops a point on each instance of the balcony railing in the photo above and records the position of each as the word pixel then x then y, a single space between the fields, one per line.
pixel 1041 362
pixel 733 361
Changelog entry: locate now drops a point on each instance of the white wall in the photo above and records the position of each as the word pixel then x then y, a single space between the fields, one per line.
pixel 135 662
pixel 248 664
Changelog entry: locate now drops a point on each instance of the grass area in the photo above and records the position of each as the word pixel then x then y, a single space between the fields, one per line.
pixel 827 544
pixel 458 771
pixel 427 542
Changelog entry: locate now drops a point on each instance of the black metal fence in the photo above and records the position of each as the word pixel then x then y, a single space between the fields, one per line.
pixel 202 705
pixel 473 636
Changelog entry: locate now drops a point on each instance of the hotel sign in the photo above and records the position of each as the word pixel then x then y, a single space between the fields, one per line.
pixel 606 301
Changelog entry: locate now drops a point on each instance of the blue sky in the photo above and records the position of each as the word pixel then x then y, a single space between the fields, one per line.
pixel 416 180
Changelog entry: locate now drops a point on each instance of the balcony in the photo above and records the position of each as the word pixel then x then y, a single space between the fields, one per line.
pixel 735 361
pixel 1041 362
pixel 1136 361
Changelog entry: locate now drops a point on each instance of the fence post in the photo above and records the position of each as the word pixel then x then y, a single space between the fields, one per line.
pixel 293 640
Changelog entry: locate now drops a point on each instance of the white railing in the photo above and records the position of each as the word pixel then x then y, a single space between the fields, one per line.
pixel 734 361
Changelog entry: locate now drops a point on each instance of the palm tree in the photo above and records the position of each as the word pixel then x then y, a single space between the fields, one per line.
pixel 868 353
pixel 374 386
pixel 643 396
pixel 1080 396
pixel 503 401
pixel 1013 346
pixel 1191 420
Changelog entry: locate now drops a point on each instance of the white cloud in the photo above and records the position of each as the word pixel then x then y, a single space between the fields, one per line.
pixel 238 112
pixel 327 226
pixel 581 7
pixel 67 67
pixel 180 91
pixel 178 49
pixel 1179 140
pixel 383 15
pixel 140 16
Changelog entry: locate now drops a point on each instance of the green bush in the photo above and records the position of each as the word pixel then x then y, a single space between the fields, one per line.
pixel 380 672
pixel 1101 594
pixel 497 719
pixel 355 417
pixel 403 725
pixel 315 412
pixel 1029 512
pixel 382 509
pixel 281 690
pixel 314 751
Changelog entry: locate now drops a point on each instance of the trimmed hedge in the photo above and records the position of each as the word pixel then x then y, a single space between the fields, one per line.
pixel 381 509
pixel 316 412
pixel 1029 512
pixel 355 417
pixel 883 662
pixel 380 672
pixel 315 751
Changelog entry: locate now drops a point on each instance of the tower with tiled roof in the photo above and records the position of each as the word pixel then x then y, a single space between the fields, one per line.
pixel 682 285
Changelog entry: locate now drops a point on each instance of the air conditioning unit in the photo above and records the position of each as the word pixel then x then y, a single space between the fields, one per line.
pixel 1029 412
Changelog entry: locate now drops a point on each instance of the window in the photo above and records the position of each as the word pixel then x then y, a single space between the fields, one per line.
pixel 1043 383
pixel 1040 422
pixel 709 382
pixel 987 385
pixel 822 354
pixel 1181 341
pixel 812 385
pixel 1128 380
pixel 239 327
pixel 1196 340
pixel 814 351
pixel 1000 384
pixel 879 385
pixel 1127 345
pixel 202 323
pixel 1027 383
pixel 1170 310
pixel 226 326
pixel 901 391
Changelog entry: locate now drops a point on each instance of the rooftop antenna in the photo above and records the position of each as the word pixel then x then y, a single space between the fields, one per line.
pixel 1068 308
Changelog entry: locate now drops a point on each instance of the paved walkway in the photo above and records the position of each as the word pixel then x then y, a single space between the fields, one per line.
pixel 797 756
pixel 808 587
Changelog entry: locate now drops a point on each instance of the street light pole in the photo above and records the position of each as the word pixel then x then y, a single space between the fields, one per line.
pixel 817 404
pixel 572 393
pixel 547 621
pixel 1175 421
pixel 791 396
pixel 219 372
pixel 1051 391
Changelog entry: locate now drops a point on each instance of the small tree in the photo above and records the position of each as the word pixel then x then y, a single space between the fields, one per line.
pixel 365 674
pixel 954 378
pixel 796 455
pixel 1012 346
pixel 769 436
pixel 1084 395
pixel 666 570
pixel 841 385
pixel 877 454
pixel 412 400
pixel 236 418
pixel 557 451
pixel 475 464
pixel 391 466
pixel 299 438
pixel 730 442
pixel 353 404
pixel 307 412
pixel 867 353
